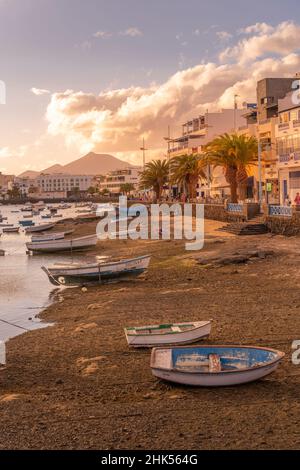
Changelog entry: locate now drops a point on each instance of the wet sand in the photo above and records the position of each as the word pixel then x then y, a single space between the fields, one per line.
pixel 76 385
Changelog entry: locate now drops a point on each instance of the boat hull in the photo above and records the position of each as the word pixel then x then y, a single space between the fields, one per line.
pixel 62 245
pixel 184 337
pixel 211 380
pixel 39 228
pixel 191 366
pixel 99 273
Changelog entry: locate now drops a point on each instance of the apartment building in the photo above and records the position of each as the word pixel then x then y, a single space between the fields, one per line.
pixel 60 182
pixel 25 185
pixel 5 180
pixel 288 148
pixel 114 179
pixel 200 131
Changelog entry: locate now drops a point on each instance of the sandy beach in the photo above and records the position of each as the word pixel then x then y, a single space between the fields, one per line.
pixel 77 385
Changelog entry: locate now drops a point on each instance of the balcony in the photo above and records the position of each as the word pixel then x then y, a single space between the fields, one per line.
pixel 296 123
pixel 283 125
pixel 284 158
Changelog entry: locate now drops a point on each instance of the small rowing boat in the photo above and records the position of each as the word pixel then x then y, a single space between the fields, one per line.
pixel 26 223
pixel 170 334
pixel 11 229
pixel 78 274
pixel 50 236
pixel 214 366
pixel 71 244
pixel 39 228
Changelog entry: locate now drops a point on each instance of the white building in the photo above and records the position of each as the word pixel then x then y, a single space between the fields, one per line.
pixel 114 179
pixel 288 148
pixel 199 132
pixel 60 182
pixel 25 185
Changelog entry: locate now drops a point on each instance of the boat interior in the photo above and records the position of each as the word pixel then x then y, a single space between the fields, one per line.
pixel 220 359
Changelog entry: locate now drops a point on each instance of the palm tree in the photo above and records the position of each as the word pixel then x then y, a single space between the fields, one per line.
pixel 126 188
pixel 247 153
pixel 155 176
pixel 186 171
pixel 235 154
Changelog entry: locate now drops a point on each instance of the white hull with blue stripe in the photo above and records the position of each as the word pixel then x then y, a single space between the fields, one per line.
pixel 214 366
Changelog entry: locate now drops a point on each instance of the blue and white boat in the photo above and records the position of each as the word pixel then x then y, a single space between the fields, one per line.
pixel 214 366
pixel 78 274
pixel 26 223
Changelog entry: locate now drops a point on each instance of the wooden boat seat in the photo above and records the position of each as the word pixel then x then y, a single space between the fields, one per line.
pixel 214 363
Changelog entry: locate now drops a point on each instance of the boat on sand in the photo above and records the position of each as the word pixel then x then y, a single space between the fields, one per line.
pixel 168 334
pixel 214 366
pixel 78 274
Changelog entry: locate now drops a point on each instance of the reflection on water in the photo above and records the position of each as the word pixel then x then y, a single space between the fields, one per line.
pixel 24 288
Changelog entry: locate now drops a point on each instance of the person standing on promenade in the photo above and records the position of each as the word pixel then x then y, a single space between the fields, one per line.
pixel 297 201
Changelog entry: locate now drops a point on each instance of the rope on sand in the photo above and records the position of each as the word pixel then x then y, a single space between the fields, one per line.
pixel 16 326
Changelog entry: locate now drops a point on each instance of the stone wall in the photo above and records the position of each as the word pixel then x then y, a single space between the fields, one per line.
pixel 218 212
pixel 288 226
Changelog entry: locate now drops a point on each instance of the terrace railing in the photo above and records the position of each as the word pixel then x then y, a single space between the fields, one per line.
pixel 281 211
pixel 232 207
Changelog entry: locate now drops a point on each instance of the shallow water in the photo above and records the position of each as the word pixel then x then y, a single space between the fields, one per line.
pixel 24 287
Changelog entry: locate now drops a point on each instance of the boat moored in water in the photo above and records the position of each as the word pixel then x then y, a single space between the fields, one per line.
pixel 39 228
pixel 71 244
pixel 214 366
pixel 11 229
pixel 78 274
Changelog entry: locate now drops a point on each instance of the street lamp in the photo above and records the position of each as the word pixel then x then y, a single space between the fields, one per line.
pixel 260 149
pixel 143 148
pixel 168 140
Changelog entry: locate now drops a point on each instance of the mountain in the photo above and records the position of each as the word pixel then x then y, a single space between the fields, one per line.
pixel 95 164
pixel 54 169
pixel 29 174
pixel 90 164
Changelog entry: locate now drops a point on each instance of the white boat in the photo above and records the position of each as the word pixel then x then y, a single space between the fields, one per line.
pixel 214 366
pixel 27 208
pixel 76 274
pixel 168 334
pixel 71 244
pixel 50 236
pixel 39 228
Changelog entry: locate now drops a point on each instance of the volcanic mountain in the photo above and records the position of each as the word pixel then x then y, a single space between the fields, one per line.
pixel 90 164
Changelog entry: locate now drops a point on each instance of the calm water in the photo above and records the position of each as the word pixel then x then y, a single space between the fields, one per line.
pixel 24 287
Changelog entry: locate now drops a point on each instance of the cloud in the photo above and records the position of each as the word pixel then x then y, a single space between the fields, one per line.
pixel 280 40
pixel 116 120
pixel 39 91
pixel 7 152
pixel 224 35
pixel 102 34
pixel 262 28
pixel 133 32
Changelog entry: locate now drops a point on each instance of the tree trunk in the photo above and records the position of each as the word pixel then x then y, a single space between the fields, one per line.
pixel 230 175
pixel 241 178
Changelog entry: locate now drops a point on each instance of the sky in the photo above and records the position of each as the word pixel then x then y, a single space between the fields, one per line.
pixel 102 75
